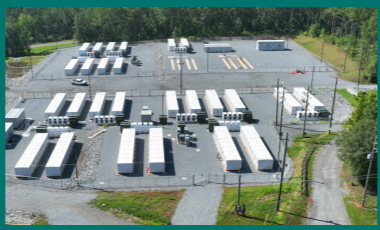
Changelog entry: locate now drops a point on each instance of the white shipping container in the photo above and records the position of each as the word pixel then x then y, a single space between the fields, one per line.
pixel 87 66
pixel 234 100
pixel 110 47
pixel 84 47
pixel 103 65
pixel 55 105
pixel 171 44
pixel 314 103
pixel 126 155
pixel 214 104
pixel 8 131
pixel 97 105
pixel 227 149
pixel 270 45
pixel 118 66
pixel 98 47
pixel 77 104
pixel 15 116
pixel 291 104
pixel 171 103
pixel 184 42
pixel 118 103
pixel 192 102
pixel 71 67
pixel 123 46
pixel 156 151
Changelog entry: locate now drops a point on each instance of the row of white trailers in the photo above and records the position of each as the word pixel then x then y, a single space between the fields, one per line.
pixel 99 46
pixel 102 68
pixel 172 45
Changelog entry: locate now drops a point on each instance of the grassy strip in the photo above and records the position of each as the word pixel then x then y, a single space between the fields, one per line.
pixel 42 220
pixel 349 97
pixel 359 215
pixel 155 209
pixel 53 42
pixel 261 201
pixel 46 50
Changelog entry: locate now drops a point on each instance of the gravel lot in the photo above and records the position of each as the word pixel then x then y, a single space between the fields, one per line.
pixel 19 217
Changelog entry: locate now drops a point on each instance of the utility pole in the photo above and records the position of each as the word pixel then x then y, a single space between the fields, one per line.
pixel 312 79
pixel 207 62
pixel 89 84
pixel 323 44
pixel 280 133
pixel 332 109
pixel 239 208
pixel 180 63
pixel 31 64
pixel 278 81
pixel 374 150
pixel 282 173
pixel 360 66
pixel 345 58
pixel 304 118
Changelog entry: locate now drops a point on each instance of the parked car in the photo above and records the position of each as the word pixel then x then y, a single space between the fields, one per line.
pixel 78 82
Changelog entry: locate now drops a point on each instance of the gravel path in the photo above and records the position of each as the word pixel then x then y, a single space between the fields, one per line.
pixel 327 207
pixel 19 217
pixel 199 206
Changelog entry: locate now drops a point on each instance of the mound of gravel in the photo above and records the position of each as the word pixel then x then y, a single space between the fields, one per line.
pixel 19 217
pixel 159 65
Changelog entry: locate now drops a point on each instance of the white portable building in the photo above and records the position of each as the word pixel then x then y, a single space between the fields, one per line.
pixel 77 104
pixel 118 66
pixel 171 44
pixel 192 102
pixel 156 151
pixel 97 105
pixel 217 48
pixel 233 100
pixel 280 92
pixel 32 155
pixel 171 103
pixel 184 42
pixel 257 151
pixel 87 66
pixel 103 65
pixel 71 67
pixel 118 103
pixel 84 48
pixel 126 155
pixel 123 46
pixel 213 103
pixel 8 131
pixel 98 47
pixel 230 156
pixel 314 104
pixel 55 105
pixel 60 156
pixel 270 45
pixel 291 104
pixel 15 116
pixel 110 47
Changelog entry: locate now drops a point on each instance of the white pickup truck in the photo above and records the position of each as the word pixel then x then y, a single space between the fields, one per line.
pixel 78 82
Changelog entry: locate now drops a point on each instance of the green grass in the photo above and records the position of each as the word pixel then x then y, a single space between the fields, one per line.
pixel 52 42
pixel 349 97
pixel 46 50
pixel 155 209
pixel 10 59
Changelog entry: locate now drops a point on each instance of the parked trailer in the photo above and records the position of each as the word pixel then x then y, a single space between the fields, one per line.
pixel 55 105
pixel 8 131
pixel 118 103
pixel 103 66
pixel 314 104
pixel 192 102
pixel 280 92
pixel 118 66
pixel 233 100
pixel 110 47
pixel 123 46
pixel 184 42
pixel 32 155
pixel 60 156
pixel 291 104
pixel 171 44
pixel 77 105
pixel 217 48
pixel 97 105
pixel 126 155
pixel 213 103
pixel 84 48
pixel 71 67
pixel 171 103
pixel 270 45
pixel 156 151
pixel 15 116
pixel 257 151
pixel 98 47
pixel 87 66
pixel 227 149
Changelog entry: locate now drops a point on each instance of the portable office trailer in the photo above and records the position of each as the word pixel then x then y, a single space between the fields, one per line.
pixel 259 154
pixel 270 45
pixel 227 149
pixel 217 48
pixel 171 103
pixel 55 105
pixel 126 155
pixel 118 103
pixel 84 48
pixel 156 151
pixel 192 102
pixel 87 66
pixel 171 44
pixel 77 104
pixel 110 47
pixel 15 116
pixel 71 67
pixel 60 156
pixel 118 66
pixel 32 155
pixel 233 100
pixel 97 105
pixel 8 131
pixel 103 65
pixel 291 104
pixel 123 46
pixel 98 47
pixel 184 42
pixel 213 103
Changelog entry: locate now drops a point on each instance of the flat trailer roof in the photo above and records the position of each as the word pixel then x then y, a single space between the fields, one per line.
pixel 118 103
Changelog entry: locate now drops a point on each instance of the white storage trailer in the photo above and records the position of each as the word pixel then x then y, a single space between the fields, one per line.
pixel 118 66
pixel 8 131
pixel 156 151
pixel 270 45
pixel 171 44
pixel 15 116
pixel 84 48
pixel 291 104
pixel 230 156
pixel 118 103
pixel 97 105
pixel 280 92
pixel 32 155
pixel 110 47
pixel 192 102
pixel 126 155
pixel 87 66
pixel 184 42
pixel 55 105
pixel 71 67
pixel 98 47
pixel 77 105
pixel 123 46
pixel 103 66
pixel 60 156
pixel 213 103
pixel 171 103
pixel 217 48
pixel 233 100
pixel 314 104
pixel 257 151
